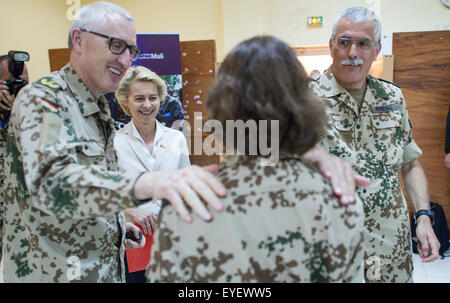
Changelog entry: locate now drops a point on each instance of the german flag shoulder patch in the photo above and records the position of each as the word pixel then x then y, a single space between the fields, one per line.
pixel 49 105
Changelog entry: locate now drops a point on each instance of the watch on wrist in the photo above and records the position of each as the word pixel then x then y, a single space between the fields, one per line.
pixel 426 212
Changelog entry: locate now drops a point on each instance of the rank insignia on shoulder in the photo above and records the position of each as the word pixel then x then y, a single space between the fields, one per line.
pixel 49 82
pixel 49 105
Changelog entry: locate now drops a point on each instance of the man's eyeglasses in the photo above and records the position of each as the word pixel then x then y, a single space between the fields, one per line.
pixel 344 43
pixel 118 46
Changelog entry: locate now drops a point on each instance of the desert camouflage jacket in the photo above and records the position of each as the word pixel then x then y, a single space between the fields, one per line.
pixel 3 134
pixel 279 224
pixel 377 141
pixel 63 193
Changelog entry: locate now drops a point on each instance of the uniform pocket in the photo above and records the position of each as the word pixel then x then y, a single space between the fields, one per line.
pixel 339 138
pixel 388 136
pixel 386 120
pixel 342 123
pixel 90 153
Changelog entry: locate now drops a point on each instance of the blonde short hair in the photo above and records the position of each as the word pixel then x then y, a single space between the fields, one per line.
pixel 134 74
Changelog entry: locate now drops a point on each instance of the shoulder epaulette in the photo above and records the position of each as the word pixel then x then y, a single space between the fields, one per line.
pixel 49 82
pixel 389 82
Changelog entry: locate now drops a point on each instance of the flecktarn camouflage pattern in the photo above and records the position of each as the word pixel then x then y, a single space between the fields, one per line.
pixel 63 218
pixel 279 224
pixel 4 115
pixel 377 141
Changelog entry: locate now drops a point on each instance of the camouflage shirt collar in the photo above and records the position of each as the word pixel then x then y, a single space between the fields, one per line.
pixel 328 80
pixel 86 101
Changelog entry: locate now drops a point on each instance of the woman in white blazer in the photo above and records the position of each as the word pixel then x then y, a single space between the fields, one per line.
pixel 144 144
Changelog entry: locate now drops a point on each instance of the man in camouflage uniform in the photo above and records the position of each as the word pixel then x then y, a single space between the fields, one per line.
pixel 369 127
pixel 6 103
pixel 280 224
pixel 64 196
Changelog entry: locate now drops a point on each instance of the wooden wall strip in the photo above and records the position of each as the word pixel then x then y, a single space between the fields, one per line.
pixel 422 70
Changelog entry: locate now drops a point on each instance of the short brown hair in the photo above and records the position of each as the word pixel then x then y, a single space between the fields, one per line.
pixel 262 79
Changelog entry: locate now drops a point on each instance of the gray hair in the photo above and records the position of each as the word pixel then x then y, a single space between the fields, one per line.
pixel 92 16
pixel 135 74
pixel 359 14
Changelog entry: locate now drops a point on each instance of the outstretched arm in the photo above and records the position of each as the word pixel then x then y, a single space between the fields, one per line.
pixel 343 179
pixel 188 185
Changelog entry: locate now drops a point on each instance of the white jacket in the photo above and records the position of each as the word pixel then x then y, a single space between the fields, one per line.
pixel 170 152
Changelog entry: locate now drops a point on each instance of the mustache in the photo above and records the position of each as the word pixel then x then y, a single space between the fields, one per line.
pixel 353 62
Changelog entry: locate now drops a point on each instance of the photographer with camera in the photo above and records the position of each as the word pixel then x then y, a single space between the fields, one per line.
pixel 7 79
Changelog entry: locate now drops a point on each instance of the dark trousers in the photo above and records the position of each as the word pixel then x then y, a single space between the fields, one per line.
pixel 134 277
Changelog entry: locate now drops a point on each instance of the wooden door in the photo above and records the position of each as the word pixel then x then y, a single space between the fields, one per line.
pixel 198 69
pixel 422 70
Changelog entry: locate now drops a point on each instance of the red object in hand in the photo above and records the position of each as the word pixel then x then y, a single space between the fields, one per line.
pixel 139 258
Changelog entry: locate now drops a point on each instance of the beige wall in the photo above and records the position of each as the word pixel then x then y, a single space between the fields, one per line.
pixel 37 25
pixel 414 16
pixel 34 26
pixel 192 19
pixel 241 20
pixel 286 19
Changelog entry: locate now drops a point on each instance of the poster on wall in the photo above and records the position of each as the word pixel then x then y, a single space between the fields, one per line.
pixel 161 54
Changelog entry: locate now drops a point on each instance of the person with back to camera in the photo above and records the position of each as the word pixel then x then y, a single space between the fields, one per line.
pixel 144 144
pixel 280 223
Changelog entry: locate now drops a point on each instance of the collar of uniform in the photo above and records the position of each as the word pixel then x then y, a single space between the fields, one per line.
pixel 330 87
pixel 328 80
pixel 376 87
pixel 86 101
pixel 334 88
